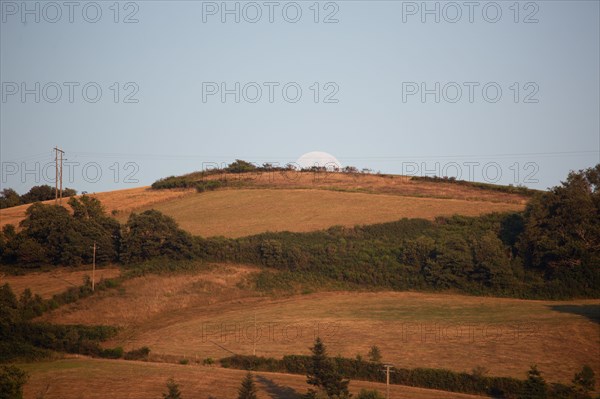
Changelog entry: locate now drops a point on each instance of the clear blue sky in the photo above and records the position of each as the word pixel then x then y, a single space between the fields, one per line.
pixel 371 61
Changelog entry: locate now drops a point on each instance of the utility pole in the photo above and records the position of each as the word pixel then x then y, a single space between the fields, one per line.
pixel 58 174
pixel 254 343
pixel 387 379
pixel 94 268
pixel 61 175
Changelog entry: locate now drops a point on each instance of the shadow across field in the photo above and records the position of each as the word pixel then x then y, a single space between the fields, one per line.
pixel 277 391
pixel 591 312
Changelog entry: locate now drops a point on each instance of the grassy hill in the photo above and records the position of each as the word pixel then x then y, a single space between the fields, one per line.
pixel 272 294
pixel 252 203
pixel 241 212
pixel 211 313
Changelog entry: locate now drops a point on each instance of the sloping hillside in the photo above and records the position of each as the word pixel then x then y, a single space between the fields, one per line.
pixel 101 379
pixel 211 313
pixel 252 203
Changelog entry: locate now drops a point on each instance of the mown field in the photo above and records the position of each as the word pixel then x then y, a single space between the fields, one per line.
pixel 101 379
pixel 254 203
pixel 241 212
pixel 56 281
pixel 212 313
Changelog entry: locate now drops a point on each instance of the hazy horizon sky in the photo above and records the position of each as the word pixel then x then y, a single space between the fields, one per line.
pixel 161 67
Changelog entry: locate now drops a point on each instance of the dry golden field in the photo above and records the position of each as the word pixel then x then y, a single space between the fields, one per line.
pixel 215 312
pixel 241 212
pixel 123 201
pixel 211 314
pixel 56 281
pixel 367 183
pixel 77 378
pixel 294 201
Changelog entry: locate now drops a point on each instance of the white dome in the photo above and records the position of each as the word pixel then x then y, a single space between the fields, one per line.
pixel 319 159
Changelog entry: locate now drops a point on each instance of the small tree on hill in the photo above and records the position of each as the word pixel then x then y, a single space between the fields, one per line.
pixel 585 380
pixel 374 354
pixel 535 386
pixel 323 375
pixel 369 394
pixel 172 390
pixel 240 166
pixel 248 388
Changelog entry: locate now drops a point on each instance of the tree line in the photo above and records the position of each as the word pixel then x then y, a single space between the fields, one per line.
pixel 10 198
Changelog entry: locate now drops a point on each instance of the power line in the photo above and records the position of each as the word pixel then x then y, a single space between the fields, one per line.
pixel 384 157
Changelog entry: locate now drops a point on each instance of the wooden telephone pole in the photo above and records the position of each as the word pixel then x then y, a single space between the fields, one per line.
pixel 387 379
pixel 255 334
pixel 94 268
pixel 59 174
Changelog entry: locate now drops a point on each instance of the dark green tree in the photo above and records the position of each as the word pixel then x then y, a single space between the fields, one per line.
pixel 323 375
pixel 374 354
pixel 39 193
pixel 29 252
pixel 562 226
pixel 491 265
pixel 9 198
pixel 417 252
pixel 248 389
pixel 9 314
pixel 240 166
pixel 172 390
pixel 535 386
pixel 52 235
pixel 30 305
pixel 53 227
pixel 44 193
pixel 152 234
pixel 12 380
pixel 369 394
pixel 585 380
pixel 96 227
pixel 452 264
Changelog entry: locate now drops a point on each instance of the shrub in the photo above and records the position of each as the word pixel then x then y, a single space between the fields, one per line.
pixel 12 380
pixel 112 353
pixel 172 390
pixel 369 394
pixel 137 354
